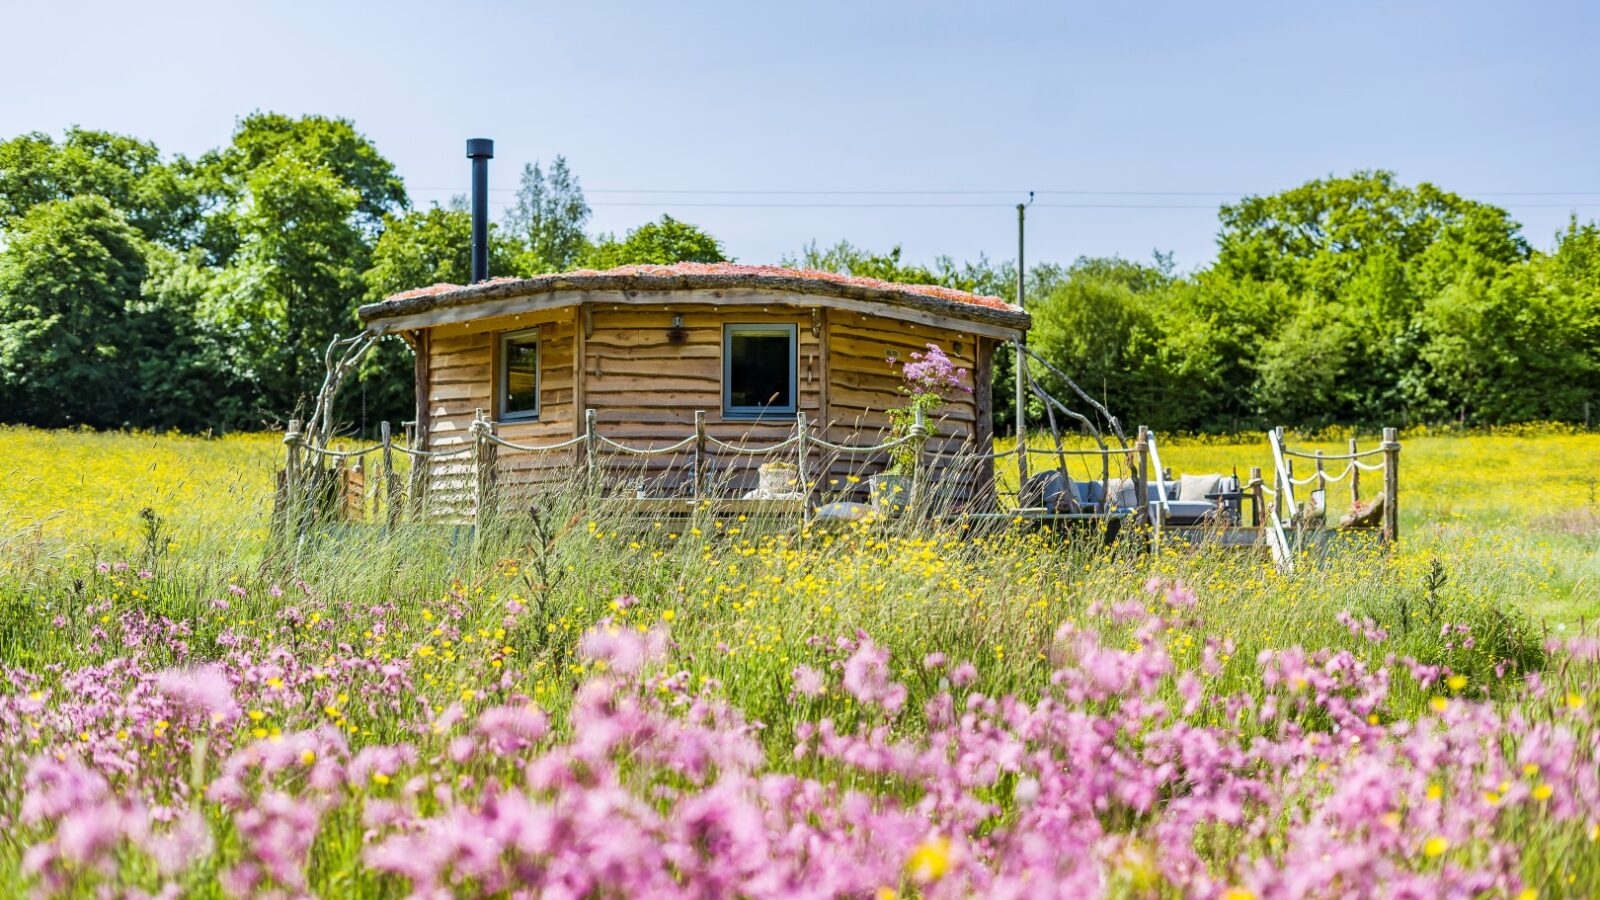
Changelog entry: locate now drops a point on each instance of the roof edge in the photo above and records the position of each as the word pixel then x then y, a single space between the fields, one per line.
pixel 447 295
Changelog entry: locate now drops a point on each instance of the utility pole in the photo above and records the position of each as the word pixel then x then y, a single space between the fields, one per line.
pixel 1021 368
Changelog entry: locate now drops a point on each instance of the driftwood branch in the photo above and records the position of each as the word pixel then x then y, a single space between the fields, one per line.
pixel 1116 427
pixel 339 359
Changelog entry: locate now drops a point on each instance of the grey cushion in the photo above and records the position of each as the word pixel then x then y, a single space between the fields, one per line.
pixel 1190 512
pixel 1196 487
pixel 1052 490
pixel 1124 495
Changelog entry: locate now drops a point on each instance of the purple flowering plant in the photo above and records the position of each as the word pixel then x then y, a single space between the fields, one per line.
pixel 926 382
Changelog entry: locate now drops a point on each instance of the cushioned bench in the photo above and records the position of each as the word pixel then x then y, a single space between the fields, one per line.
pixel 1186 500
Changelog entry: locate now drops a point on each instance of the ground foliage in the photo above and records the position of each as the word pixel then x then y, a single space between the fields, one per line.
pixel 577 704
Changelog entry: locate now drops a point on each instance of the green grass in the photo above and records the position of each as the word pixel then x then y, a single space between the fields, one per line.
pixel 745 605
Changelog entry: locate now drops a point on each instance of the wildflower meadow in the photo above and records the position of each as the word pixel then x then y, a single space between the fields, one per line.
pixel 579 704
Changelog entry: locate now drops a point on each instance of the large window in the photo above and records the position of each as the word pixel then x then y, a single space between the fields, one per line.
pixel 758 370
pixel 519 375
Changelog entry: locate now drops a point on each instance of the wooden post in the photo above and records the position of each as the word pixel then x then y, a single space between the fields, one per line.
pixel 421 468
pixel 391 481
pixel 919 468
pixel 482 471
pixel 1391 485
pixel 591 451
pixel 699 453
pixel 1355 476
pixel 801 426
pixel 983 429
pixel 1021 372
pixel 1258 497
pixel 292 478
pixel 1142 475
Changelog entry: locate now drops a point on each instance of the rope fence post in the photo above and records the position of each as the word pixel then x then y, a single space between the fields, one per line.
pixel 919 465
pixel 1021 374
pixel 1355 477
pixel 699 458
pixel 391 481
pixel 482 471
pixel 1141 479
pixel 1258 497
pixel 419 465
pixel 801 451
pixel 591 451
pixel 1322 479
pixel 292 475
pixel 1391 485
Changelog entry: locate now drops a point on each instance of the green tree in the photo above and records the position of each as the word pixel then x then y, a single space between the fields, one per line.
pixel 67 354
pixel 1316 237
pixel 262 138
pixel 158 198
pixel 655 243
pixel 294 281
pixel 416 249
pixel 548 216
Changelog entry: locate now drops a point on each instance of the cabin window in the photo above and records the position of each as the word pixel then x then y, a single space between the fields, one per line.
pixel 519 375
pixel 758 370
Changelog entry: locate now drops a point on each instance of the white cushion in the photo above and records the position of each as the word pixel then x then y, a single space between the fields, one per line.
pixel 1196 487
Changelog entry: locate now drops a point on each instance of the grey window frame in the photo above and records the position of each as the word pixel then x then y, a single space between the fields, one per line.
pixel 502 376
pixel 729 330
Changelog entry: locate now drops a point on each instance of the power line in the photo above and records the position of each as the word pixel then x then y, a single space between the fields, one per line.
pixel 853 192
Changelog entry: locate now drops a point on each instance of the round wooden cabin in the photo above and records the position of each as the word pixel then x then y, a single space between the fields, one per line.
pixel 646 347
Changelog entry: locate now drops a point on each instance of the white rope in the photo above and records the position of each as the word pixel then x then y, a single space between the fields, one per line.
pixel 748 450
pixel 1344 473
pixel 644 451
pixel 526 448
pixel 849 450
pixel 1333 457
pixel 340 454
pixel 436 454
pixel 1051 451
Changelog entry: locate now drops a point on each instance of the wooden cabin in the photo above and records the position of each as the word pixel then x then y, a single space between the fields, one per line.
pixel 646 347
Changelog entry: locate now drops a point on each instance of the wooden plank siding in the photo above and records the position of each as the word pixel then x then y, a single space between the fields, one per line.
pixel 461 381
pixel 646 379
pixel 865 384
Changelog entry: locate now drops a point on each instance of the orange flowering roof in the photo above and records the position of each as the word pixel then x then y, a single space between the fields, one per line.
pixel 687 276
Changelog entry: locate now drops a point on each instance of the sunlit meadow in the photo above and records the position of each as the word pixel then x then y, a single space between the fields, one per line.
pixel 579 705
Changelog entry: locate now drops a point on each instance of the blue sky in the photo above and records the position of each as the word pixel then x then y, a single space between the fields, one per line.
pixel 1171 108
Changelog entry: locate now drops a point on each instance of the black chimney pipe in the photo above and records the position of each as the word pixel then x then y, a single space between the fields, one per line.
pixel 480 151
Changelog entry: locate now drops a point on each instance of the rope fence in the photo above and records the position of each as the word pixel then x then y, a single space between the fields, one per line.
pixel 308 483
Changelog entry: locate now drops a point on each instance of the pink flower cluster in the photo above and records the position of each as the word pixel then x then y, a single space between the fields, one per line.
pixel 932 372
pixel 1120 773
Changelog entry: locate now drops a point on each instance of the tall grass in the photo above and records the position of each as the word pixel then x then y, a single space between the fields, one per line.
pixel 488 617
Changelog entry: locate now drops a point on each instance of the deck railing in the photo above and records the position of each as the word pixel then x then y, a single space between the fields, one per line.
pixel 317 480
pixel 307 487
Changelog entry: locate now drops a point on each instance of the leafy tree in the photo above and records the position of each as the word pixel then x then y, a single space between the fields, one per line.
pixel 655 243
pixel 157 198
pixel 261 139
pixel 1314 238
pixel 293 283
pixel 416 249
pixel 67 356
pixel 548 216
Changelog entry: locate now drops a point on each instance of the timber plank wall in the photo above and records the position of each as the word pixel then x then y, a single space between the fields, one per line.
pixel 646 379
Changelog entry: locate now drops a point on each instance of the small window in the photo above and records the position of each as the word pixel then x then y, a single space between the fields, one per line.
pixel 519 375
pixel 758 370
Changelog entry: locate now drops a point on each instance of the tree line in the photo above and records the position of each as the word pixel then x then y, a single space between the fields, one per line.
pixel 145 290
